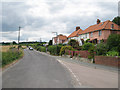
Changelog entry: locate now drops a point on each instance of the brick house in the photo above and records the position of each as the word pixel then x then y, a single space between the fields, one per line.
pixel 60 39
pixel 100 31
pixel 74 35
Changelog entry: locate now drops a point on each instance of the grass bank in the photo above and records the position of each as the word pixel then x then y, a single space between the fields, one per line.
pixel 10 55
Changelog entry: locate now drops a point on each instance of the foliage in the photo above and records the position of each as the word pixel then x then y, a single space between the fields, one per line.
pixel 78 48
pixel 113 42
pixel 101 49
pixel 54 50
pixel 12 47
pixel 117 20
pixel 42 49
pixel 10 56
pixel 87 40
pixel 87 46
pixel 73 43
pixel 50 42
pixel 14 43
pixel 91 51
pixel 64 48
pixel 112 53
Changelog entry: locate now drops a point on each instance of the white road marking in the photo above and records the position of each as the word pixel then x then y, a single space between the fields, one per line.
pixel 71 72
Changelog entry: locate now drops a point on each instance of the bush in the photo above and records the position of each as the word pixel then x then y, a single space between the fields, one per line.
pixel 73 43
pixel 91 51
pixel 42 49
pixel 87 46
pixel 113 42
pixel 101 49
pixel 87 41
pixel 62 51
pixel 112 53
pixel 54 50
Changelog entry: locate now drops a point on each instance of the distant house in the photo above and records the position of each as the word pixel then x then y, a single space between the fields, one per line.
pixel 60 39
pixel 75 34
pixel 100 31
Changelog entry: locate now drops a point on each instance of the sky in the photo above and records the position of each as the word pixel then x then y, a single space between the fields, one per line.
pixel 39 18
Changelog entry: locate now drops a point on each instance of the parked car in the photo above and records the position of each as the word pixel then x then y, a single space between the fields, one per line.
pixel 30 48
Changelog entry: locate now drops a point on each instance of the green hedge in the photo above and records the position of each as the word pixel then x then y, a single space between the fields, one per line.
pixel 54 50
pixel 112 53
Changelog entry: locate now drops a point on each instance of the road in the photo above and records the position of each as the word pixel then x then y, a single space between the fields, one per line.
pixel 36 70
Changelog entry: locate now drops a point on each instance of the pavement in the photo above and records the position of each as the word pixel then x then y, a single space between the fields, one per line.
pixel 90 75
pixel 36 70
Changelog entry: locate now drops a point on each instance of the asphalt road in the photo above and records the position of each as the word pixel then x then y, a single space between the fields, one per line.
pixel 36 71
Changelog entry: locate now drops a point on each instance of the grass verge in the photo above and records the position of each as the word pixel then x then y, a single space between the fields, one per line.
pixel 12 55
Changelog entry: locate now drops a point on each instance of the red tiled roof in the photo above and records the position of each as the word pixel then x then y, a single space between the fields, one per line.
pixel 75 33
pixel 61 37
pixel 103 25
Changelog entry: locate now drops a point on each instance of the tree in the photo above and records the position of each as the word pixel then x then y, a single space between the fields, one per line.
pixel 101 49
pixel 87 46
pixel 73 43
pixel 113 42
pixel 14 43
pixel 50 42
pixel 116 20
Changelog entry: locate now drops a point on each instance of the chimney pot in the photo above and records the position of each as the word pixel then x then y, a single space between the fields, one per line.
pixel 98 21
pixel 77 28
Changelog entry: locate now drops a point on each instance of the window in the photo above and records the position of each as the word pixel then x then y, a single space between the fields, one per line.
pixel 91 34
pixel 100 32
pixel 86 35
pixel 112 26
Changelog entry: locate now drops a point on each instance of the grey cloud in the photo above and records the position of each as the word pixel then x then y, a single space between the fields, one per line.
pixel 15 14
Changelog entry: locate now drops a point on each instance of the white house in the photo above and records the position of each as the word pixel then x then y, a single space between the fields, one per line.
pixel 75 35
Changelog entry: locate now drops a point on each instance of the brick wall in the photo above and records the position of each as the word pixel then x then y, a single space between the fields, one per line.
pixel 108 61
pixel 83 54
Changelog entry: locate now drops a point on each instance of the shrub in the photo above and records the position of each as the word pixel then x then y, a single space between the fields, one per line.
pixel 87 41
pixel 113 42
pixel 112 53
pixel 87 46
pixel 101 49
pixel 42 49
pixel 73 43
pixel 54 50
pixel 64 48
pixel 91 51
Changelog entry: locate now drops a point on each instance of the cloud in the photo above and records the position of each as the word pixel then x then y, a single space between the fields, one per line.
pixel 39 18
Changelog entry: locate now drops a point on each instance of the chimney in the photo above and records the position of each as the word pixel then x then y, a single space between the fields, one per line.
pixel 98 21
pixel 77 28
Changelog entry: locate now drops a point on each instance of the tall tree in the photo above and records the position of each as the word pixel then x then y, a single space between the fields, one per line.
pixel 116 20
pixel 50 42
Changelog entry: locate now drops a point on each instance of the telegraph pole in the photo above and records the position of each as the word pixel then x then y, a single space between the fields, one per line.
pixel 19 37
pixel 57 39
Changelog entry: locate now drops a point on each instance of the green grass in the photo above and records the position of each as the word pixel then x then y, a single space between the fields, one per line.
pixel 10 56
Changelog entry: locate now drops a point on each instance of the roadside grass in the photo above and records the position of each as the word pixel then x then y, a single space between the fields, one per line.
pixel 4 48
pixel 9 55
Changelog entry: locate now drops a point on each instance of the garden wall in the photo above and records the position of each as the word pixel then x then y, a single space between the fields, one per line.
pixel 108 61
pixel 83 54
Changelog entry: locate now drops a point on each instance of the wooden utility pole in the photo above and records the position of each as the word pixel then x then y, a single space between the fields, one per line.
pixel 19 37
